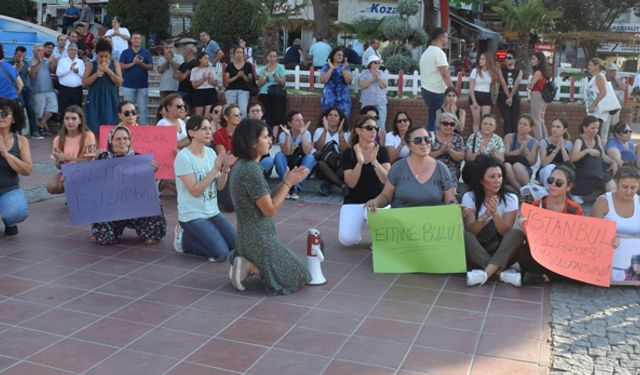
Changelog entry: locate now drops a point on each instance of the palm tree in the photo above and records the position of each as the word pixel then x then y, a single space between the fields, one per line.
pixel 521 17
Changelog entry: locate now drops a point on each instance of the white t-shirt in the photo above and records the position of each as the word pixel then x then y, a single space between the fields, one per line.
pixel 197 73
pixel 182 134
pixel 295 141
pixel 430 60
pixel 119 44
pixel 329 137
pixel 483 82
pixel 469 201
pixel 167 83
pixel 394 140
pixel 206 205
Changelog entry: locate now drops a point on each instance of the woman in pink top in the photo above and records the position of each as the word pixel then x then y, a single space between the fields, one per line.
pixel 75 143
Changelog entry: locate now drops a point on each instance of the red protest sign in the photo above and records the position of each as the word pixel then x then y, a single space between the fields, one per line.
pixel 578 247
pixel 157 140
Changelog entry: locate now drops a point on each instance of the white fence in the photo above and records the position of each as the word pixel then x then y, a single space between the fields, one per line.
pixel 299 79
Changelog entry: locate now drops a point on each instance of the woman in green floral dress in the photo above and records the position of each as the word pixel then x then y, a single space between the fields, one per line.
pixel 258 249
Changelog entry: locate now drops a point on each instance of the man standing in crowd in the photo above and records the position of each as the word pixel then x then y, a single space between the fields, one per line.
pixel 86 37
pixel 168 64
pixel 48 49
pixel 71 15
pixel 294 55
pixel 183 74
pixel 211 48
pixel 21 65
pixel 374 45
pixel 45 100
pixel 86 14
pixel 434 74
pixel 136 63
pixel 70 71
pixel 319 52
pixel 61 48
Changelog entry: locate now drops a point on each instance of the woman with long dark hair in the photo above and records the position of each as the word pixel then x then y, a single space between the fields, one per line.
pixel 489 212
pixel 536 84
pixel 336 76
pixel 481 87
pixel 332 139
pixel 237 77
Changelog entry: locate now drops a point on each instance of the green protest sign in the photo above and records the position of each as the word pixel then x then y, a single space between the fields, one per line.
pixel 418 239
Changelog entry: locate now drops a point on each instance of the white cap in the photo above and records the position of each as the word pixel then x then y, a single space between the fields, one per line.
pixel 612 66
pixel 373 58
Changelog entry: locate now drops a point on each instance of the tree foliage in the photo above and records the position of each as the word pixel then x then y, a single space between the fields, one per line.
pixel 14 8
pixel 148 16
pixel 269 16
pixel 402 37
pixel 362 29
pixel 523 17
pixel 321 17
pixel 227 20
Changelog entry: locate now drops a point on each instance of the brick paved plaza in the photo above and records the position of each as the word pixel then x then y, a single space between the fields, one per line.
pixel 70 307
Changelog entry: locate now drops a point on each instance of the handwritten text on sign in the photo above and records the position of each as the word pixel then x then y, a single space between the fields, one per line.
pixel 418 239
pixel 111 189
pixel 574 246
pixel 160 141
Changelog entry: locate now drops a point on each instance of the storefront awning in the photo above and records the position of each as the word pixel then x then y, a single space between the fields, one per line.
pixel 483 32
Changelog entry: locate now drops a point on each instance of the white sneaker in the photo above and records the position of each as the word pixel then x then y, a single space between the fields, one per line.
pixel 177 239
pixel 239 273
pixel 512 277
pixel 476 277
pixel 211 259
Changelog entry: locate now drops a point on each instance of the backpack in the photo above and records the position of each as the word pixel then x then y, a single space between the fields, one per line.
pixel 549 91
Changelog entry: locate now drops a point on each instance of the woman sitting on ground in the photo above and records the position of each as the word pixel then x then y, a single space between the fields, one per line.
pixel 620 147
pixel 451 105
pixel 489 212
pixel 554 150
pixel 295 149
pixel 485 142
pixel 589 159
pixel 202 229
pixel 417 180
pixel 448 146
pixel 521 153
pixel 150 229
pixel 74 143
pixel 259 251
pixel 256 112
pixel 559 185
pixel 15 160
pixel 231 117
pixel 622 205
pixel 174 111
pixel 366 165
pixel 215 117
pixel 394 141
pixel 333 135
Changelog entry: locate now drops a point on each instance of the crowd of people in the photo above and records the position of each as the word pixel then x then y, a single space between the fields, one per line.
pixel 223 159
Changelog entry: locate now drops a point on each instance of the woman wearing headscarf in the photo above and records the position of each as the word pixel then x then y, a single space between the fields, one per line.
pixel 150 229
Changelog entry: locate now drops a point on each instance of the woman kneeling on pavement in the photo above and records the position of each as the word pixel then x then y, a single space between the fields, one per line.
pixel 559 184
pixel 489 213
pixel 258 250
pixel 366 165
pixel 418 180
pixel 200 173
pixel 150 229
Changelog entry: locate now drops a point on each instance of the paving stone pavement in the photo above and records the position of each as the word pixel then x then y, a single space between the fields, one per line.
pixel 595 330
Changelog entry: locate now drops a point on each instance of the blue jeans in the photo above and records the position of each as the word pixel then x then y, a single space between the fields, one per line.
pixel 213 237
pixel 13 207
pixel 26 99
pixel 239 97
pixel 434 102
pixel 138 96
pixel 267 166
pixel 281 164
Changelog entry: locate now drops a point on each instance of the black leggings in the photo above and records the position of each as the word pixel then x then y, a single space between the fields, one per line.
pixel 528 264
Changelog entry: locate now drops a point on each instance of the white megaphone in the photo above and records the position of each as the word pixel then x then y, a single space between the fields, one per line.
pixel 315 257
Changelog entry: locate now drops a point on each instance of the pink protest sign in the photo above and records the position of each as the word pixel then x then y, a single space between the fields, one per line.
pixel 160 141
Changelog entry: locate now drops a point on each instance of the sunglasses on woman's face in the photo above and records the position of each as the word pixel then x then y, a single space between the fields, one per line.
pixel 558 182
pixel 181 106
pixel 5 114
pixel 509 58
pixel 418 140
pixel 626 131
pixel 369 128
pixel 447 123
pixel 402 120
pixel 130 113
